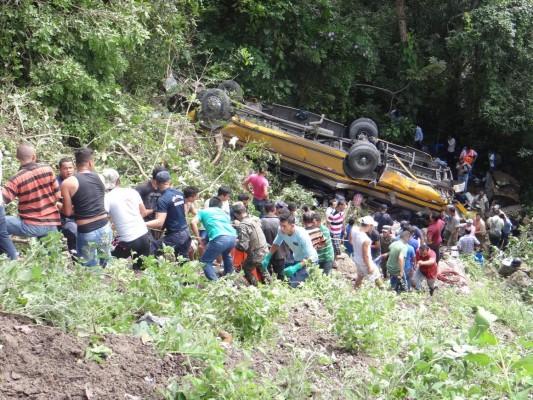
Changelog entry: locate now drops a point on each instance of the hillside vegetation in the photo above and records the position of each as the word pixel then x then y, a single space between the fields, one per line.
pixel 322 341
pixel 89 73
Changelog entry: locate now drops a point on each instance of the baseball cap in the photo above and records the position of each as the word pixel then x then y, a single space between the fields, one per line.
pixel 162 177
pixel 281 204
pixel 111 177
pixel 368 220
pixel 469 221
pixel 383 207
pixel 386 228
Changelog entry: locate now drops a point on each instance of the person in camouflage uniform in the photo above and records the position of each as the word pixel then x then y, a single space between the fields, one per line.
pixel 386 240
pixel 252 241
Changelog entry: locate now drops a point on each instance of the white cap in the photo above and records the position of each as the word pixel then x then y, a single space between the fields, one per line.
pixel 469 221
pixel 111 177
pixel 368 220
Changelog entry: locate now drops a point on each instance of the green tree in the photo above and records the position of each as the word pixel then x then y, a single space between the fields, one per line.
pixel 495 51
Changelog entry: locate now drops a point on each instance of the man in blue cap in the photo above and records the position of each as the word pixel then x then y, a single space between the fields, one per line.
pixel 171 217
pixel 383 218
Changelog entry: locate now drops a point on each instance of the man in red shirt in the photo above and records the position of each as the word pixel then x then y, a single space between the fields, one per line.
pixel 257 185
pixel 434 237
pixel 426 267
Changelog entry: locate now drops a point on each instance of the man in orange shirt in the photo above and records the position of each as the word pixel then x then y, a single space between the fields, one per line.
pixel 468 155
pixel 37 190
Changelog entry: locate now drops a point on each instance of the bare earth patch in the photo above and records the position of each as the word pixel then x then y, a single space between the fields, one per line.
pixel 41 362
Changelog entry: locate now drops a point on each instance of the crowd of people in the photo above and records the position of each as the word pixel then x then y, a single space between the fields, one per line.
pixel 460 161
pixel 101 219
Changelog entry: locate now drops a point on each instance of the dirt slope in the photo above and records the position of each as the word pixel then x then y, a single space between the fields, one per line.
pixel 40 362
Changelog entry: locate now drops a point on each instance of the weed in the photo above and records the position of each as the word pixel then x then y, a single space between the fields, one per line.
pixel 96 351
pixel 442 368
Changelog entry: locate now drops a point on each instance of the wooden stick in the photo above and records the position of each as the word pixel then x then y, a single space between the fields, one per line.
pixel 134 159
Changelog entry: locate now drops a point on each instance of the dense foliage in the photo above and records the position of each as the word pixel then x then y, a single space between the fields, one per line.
pixel 460 67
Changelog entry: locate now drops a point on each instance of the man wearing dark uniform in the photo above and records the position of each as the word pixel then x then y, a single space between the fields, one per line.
pixel 150 194
pixel 171 217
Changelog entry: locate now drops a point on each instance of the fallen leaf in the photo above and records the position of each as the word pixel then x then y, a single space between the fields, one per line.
pixel 146 338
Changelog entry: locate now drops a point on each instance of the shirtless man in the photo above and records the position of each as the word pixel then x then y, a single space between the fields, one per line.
pixel 68 227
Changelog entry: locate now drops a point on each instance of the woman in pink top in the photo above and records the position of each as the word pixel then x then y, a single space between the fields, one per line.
pixel 257 185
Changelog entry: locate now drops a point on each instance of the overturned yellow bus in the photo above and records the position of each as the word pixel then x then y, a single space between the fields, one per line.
pixel 342 158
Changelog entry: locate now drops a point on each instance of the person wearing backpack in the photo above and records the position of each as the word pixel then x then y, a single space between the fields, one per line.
pixel 495 224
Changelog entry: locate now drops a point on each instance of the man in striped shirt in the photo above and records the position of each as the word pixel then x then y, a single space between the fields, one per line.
pixel 37 190
pixel 336 226
pixel 326 254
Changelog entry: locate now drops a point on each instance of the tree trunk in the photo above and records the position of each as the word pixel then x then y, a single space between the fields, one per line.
pixel 402 23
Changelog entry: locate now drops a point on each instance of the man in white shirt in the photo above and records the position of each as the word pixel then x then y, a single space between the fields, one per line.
pixel 332 204
pixel 126 211
pixel 419 136
pixel 481 202
pixel 224 194
pixel 468 225
pixel 450 153
pixel 495 225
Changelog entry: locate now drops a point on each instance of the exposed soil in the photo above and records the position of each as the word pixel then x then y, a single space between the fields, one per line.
pixel 41 362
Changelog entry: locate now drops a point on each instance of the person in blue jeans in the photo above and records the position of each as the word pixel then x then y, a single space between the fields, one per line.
pixel 6 245
pixel 83 198
pixel 408 270
pixel 222 237
pixel 348 247
pixel 301 245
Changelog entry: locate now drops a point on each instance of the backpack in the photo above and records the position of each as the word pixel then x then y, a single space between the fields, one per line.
pixel 494 231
